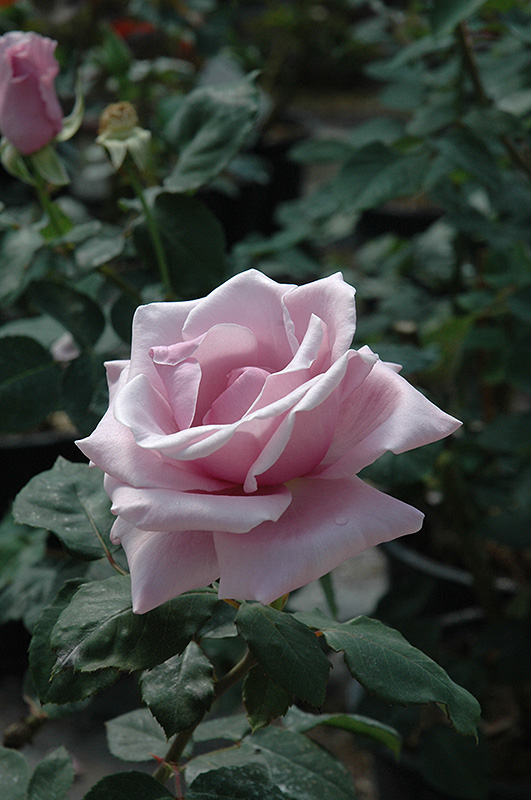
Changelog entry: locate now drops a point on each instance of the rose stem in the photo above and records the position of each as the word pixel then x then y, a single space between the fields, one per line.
pixel 152 228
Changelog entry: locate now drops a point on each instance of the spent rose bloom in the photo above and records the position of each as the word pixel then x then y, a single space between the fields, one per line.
pixel 30 114
pixel 234 435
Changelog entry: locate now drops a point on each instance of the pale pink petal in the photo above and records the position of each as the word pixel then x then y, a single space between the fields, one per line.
pixel 299 370
pixel 154 325
pixel 143 409
pixel 252 300
pixel 243 387
pixel 384 413
pixel 326 523
pixel 181 384
pixel 332 300
pixel 304 435
pixel 167 510
pixel 218 352
pixel 164 565
pixel 113 449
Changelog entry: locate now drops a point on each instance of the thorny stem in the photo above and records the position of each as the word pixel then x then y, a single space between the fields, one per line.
pixel 153 229
pixel 172 757
pixel 471 65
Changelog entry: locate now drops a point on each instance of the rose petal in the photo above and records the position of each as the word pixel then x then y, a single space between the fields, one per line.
pixel 167 510
pixel 326 523
pixel 112 447
pixel 252 300
pixel 332 300
pixel 180 561
pixel 384 413
pixel 243 387
pixel 154 325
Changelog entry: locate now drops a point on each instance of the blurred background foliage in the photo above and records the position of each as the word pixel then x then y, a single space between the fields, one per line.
pixel 419 191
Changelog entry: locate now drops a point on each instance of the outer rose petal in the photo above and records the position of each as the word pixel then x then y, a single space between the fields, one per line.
pixel 169 510
pixel 164 565
pixel 327 522
pixel 156 325
pixel 384 413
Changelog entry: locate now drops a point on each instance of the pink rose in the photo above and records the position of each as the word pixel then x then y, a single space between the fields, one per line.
pixel 234 435
pixel 30 114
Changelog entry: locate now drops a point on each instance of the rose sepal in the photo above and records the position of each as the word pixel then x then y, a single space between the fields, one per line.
pixel 72 122
pixel 49 166
pixel 14 163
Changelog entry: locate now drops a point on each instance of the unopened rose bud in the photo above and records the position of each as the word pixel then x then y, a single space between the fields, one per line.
pixel 118 118
pixel 120 134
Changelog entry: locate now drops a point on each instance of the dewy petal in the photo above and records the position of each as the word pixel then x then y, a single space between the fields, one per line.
pixel 252 300
pixel 384 413
pixel 167 510
pixel 164 565
pixel 326 523
pixel 332 300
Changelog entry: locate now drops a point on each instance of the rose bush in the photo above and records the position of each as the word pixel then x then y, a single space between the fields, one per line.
pixel 234 435
pixel 30 113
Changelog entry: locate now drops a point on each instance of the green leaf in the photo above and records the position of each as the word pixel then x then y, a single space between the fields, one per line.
pixel 232 728
pixel 100 250
pixel 29 383
pixel 49 166
pixel 69 500
pixel 376 174
pixel 263 699
pixel 520 304
pixel 388 666
pixel 241 754
pixel 128 786
pixel 303 769
pixel 235 783
pixel 52 777
pixel 444 15
pixel 17 251
pixel 85 392
pixel 286 650
pixel 136 736
pixel 180 691
pixel 300 722
pixel 67 686
pixel 466 151
pixel 508 433
pixel 20 546
pixel 98 629
pixel 193 241
pixel 76 311
pixel 14 775
pixel 210 126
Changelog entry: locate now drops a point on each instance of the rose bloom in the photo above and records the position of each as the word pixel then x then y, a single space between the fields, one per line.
pixel 30 114
pixel 234 435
